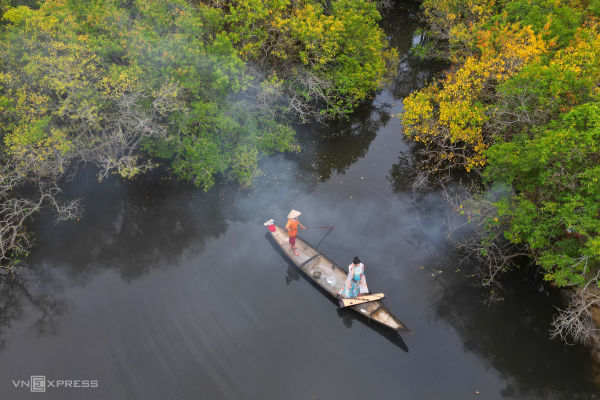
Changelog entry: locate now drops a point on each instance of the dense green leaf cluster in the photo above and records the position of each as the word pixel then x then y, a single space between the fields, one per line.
pixel 340 47
pixel 561 18
pixel 556 209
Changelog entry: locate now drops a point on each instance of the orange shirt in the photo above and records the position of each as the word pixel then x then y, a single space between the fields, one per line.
pixel 292 227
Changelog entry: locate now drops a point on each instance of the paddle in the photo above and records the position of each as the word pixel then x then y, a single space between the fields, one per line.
pixel 328 232
pixel 352 301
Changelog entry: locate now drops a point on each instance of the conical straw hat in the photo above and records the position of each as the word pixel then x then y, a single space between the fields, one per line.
pixel 294 214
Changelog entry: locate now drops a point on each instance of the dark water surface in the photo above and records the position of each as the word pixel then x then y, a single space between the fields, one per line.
pixel 162 291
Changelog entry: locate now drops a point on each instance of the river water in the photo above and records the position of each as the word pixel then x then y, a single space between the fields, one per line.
pixel 162 291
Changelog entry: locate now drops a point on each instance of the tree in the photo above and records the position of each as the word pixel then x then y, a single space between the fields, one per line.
pixel 333 55
pixel 449 118
pixel 94 106
pixel 555 210
pixel 521 107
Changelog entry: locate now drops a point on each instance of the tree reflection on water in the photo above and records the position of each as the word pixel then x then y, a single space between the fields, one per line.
pixel 512 335
pixel 331 148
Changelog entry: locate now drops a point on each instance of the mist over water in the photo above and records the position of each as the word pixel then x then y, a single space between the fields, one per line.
pixel 163 291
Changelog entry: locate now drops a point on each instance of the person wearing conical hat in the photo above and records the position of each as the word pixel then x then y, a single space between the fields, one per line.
pixel 292 228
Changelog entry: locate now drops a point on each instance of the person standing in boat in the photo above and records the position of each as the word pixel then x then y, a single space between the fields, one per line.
pixel 356 283
pixel 292 228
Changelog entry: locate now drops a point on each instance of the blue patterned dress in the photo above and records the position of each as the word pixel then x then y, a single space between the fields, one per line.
pixel 356 282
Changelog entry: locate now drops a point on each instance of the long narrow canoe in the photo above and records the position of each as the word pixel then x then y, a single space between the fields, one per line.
pixel 331 277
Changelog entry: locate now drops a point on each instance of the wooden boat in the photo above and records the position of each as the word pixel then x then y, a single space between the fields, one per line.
pixel 331 277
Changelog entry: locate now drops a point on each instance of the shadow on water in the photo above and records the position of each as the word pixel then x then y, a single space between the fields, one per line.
pixel 346 315
pixel 402 174
pixel 158 219
pixel 148 215
pixel 293 274
pixel 513 337
pixel 30 294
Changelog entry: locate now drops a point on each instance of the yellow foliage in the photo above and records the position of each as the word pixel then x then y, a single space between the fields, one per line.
pixel 458 22
pixel 582 56
pixel 454 111
pixel 118 81
pixel 30 148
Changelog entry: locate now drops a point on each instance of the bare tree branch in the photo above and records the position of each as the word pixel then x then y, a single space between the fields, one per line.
pixel 17 206
pixel 575 322
pixel 480 235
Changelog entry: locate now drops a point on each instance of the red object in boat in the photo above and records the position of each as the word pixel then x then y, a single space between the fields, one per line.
pixel 272 227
